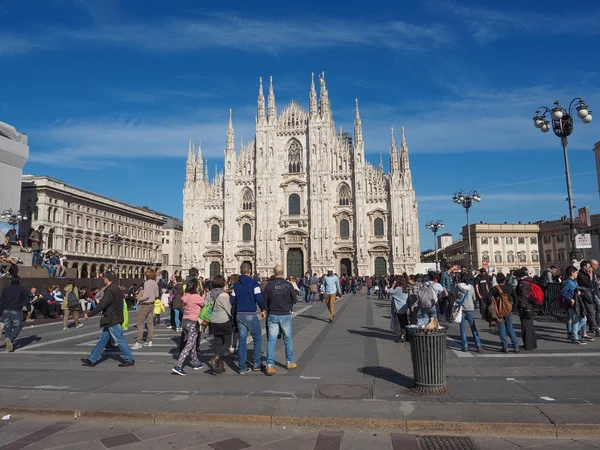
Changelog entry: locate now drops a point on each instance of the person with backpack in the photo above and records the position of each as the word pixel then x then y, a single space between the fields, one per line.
pixel 465 294
pixel 70 305
pixel 504 300
pixel 586 288
pixel 428 294
pixel 528 294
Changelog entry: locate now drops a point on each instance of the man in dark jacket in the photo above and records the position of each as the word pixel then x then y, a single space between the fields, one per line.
pixel 246 295
pixel 111 307
pixel 585 279
pixel 279 297
pixel 12 301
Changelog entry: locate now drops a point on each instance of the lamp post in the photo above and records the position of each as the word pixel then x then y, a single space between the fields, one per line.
pixel 562 125
pixel 117 238
pixel 466 201
pixel 13 218
pixel 435 226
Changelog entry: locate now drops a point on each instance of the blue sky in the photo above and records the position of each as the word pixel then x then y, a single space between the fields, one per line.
pixel 110 91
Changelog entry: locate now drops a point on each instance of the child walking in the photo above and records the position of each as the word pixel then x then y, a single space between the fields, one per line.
pixel 158 309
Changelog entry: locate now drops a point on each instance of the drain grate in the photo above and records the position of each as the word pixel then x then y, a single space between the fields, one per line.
pixel 344 391
pixel 446 443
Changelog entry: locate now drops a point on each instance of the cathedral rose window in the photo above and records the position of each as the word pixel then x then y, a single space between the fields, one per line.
pixel 295 158
pixel 344 195
pixel 247 200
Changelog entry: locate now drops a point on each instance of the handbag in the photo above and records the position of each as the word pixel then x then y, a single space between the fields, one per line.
pixel 457 313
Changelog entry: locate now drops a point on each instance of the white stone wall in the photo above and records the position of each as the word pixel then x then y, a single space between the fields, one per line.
pixel 14 153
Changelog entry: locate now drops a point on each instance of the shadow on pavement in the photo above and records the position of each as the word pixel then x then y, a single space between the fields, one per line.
pixel 378 333
pixel 387 374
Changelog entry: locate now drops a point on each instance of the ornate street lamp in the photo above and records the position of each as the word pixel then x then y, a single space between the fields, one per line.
pixel 435 226
pixel 117 238
pixel 562 125
pixel 466 201
pixel 13 218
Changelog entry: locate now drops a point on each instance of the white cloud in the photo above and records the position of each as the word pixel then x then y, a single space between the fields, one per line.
pixel 12 44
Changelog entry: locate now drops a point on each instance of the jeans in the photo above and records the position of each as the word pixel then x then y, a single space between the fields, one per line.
pixel 430 313
pixel 469 316
pixel 116 333
pixel 368 290
pixel 178 316
pixel 303 292
pixel 249 325
pixel 51 269
pixel 577 324
pixel 312 297
pixel 36 258
pixel 283 323
pixel 13 322
pixel 503 327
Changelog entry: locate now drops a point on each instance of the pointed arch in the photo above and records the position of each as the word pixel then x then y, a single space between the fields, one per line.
pixel 247 199
pixel 344 195
pixel 294 154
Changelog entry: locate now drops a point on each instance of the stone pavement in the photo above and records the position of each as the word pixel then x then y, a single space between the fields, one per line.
pixel 35 434
pixel 351 376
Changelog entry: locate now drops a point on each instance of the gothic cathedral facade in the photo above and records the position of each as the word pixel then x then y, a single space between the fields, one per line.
pixel 301 195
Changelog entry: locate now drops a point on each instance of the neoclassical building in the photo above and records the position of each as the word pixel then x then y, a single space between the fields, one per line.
pixel 302 195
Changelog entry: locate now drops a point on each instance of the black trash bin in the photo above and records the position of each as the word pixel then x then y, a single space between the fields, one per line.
pixel 428 353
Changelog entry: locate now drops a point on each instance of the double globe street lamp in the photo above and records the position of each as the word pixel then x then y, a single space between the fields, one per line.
pixel 466 199
pixel 562 126
pixel 13 218
pixel 117 238
pixel 435 226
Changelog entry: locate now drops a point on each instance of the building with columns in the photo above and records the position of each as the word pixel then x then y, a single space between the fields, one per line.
pixel 302 195
pixel 80 223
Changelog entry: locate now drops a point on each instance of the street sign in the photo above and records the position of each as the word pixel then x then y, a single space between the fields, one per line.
pixel 583 241
pixel 584 217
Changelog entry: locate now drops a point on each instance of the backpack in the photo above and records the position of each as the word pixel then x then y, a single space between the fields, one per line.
pixel 502 303
pixel 544 279
pixel 536 295
pixel 72 300
pixel 205 316
pixel 427 296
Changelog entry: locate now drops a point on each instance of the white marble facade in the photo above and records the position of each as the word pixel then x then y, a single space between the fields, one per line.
pixel 302 195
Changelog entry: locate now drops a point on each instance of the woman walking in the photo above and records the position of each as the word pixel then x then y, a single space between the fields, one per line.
pixel 400 306
pixel 221 325
pixel 192 303
pixel 525 309
pixel 465 293
pixel 146 312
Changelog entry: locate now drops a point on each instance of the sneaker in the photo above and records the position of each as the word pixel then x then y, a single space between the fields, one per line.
pixel 588 338
pixel 9 344
pixel 179 330
pixel 579 342
pixel 80 325
pixel 178 371
pixel 517 350
pixel 198 366
pixel 127 363
pixel 169 327
pixel 257 369
pixel 136 346
pixel 505 350
pixel 479 350
pixel 87 362
pixel 65 329
pixel 148 344
pixel 271 371
pixel 465 349
pixel 244 372
pixel 291 366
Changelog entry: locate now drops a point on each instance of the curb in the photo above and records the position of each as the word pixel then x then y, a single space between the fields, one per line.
pixel 364 424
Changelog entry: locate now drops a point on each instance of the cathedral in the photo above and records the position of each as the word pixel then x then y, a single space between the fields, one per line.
pixel 302 195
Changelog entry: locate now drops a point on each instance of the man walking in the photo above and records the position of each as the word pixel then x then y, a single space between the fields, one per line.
pixel 36 238
pixel 12 301
pixel 279 297
pixel 331 286
pixel 111 307
pixel 447 282
pixel 246 294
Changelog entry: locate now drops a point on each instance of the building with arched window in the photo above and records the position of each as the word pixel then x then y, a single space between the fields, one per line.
pixel 300 194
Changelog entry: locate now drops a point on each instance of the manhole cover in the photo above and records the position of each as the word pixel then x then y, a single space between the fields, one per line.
pixel 446 443
pixel 344 391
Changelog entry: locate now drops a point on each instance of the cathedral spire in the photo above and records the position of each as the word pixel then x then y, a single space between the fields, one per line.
pixel 393 153
pixel 357 126
pixel 325 108
pixel 199 150
pixel 313 97
pixel 261 117
pixel 191 162
pixel 230 144
pixel 380 162
pixel 404 167
pixel 271 102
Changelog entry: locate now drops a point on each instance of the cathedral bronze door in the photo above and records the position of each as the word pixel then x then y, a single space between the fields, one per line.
pixel 345 267
pixel 380 266
pixel 295 263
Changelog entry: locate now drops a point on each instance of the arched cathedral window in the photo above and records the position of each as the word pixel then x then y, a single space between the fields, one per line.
pixel 294 205
pixel 378 227
pixel 247 200
pixel 295 158
pixel 246 232
pixel 344 195
pixel 214 233
pixel 344 228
